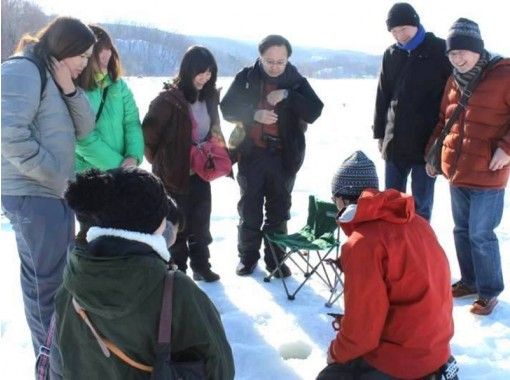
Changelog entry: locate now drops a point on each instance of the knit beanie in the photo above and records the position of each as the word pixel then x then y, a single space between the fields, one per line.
pixel 464 35
pixel 402 14
pixel 123 198
pixel 356 174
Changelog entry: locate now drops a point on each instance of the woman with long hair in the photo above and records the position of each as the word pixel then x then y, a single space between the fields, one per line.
pixel 186 113
pixel 117 139
pixel 43 112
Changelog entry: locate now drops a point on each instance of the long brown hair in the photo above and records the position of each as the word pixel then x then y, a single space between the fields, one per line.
pixel 63 37
pixel 86 80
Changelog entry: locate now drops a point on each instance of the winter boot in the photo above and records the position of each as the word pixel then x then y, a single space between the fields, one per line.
pixel 205 274
pixel 459 289
pixel 245 269
pixel 484 306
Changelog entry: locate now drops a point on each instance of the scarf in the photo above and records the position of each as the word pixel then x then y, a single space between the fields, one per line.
pixel 101 79
pixel 415 41
pixel 285 80
pixel 463 79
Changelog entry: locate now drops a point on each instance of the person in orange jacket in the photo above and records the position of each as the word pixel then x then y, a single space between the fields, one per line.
pixel 398 304
pixel 475 159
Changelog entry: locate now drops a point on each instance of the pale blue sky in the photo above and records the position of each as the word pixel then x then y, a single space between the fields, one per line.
pixel 337 24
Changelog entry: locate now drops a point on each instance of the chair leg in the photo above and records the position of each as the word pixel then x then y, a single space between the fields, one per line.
pixel 278 268
pixel 335 293
pixel 314 270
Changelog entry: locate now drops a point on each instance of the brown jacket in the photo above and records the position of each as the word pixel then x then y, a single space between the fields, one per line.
pixel 483 127
pixel 167 134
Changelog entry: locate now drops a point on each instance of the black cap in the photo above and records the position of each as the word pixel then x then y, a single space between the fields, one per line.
pixel 402 14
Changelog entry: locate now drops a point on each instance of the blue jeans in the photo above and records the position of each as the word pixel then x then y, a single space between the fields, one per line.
pixel 476 213
pixel 44 228
pixel 422 186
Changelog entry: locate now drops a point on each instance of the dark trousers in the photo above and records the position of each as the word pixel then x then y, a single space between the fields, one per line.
pixel 265 186
pixel 357 369
pixel 194 239
pixel 422 186
pixel 44 229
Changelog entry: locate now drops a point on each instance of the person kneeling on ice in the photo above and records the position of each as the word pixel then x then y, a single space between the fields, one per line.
pixel 118 280
pixel 398 304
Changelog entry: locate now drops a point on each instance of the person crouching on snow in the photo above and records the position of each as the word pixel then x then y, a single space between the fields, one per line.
pixel 118 279
pixel 398 304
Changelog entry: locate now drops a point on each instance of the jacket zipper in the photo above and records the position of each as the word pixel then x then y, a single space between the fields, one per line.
pixel 458 149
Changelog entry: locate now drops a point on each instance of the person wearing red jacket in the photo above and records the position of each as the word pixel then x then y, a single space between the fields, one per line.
pixel 475 158
pixel 398 304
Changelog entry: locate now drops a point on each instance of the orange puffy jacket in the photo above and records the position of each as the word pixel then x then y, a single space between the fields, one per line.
pixel 482 128
pixel 398 302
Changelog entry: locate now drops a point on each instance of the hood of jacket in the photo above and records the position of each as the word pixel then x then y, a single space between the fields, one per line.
pixel 390 206
pixel 112 276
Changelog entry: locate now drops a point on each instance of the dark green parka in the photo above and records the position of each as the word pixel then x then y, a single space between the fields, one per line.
pixel 119 282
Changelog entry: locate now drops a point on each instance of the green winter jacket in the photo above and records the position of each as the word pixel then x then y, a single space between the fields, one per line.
pixel 118 132
pixel 119 283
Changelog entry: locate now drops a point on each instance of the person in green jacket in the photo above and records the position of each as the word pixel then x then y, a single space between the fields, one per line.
pixel 118 280
pixel 117 139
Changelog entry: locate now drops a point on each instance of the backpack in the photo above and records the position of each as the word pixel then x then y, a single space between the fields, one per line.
pixel 38 62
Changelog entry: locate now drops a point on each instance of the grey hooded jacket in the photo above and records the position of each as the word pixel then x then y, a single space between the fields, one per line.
pixel 39 132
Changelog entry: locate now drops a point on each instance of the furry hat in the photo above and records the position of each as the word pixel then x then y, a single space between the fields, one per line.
pixel 356 174
pixel 129 199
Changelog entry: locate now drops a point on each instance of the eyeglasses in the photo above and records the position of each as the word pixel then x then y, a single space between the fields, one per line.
pixel 270 62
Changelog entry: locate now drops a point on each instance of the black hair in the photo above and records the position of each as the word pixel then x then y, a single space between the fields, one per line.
pixel 123 198
pixel 274 40
pixel 175 214
pixel 195 61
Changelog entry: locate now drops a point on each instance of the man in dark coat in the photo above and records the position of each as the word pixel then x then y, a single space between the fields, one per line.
pixel 412 79
pixel 271 104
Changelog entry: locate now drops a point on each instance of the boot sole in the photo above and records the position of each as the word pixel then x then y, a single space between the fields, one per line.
pixel 199 277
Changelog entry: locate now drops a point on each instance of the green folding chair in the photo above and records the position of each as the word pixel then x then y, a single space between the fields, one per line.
pixel 310 248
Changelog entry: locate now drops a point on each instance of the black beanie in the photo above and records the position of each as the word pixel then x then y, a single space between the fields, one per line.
pixel 128 199
pixel 464 35
pixel 356 174
pixel 402 14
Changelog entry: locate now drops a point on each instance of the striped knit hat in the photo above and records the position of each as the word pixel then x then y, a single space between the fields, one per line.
pixel 356 174
pixel 464 35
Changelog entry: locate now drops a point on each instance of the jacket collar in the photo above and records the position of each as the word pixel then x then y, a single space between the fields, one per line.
pixel 290 78
pixel 156 242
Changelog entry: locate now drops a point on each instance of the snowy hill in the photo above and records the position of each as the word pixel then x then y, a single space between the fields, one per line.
pixel 150 51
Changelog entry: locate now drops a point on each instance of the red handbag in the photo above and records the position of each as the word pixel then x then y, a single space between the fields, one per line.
pixel 210 159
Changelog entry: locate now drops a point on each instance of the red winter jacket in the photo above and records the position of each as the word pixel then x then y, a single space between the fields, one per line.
pixel 479 130
pixel 398 304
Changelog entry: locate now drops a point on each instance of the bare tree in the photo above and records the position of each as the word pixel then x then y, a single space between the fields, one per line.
pixel 19 17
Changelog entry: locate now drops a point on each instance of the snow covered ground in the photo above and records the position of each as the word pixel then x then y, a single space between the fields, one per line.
pixel 261 324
